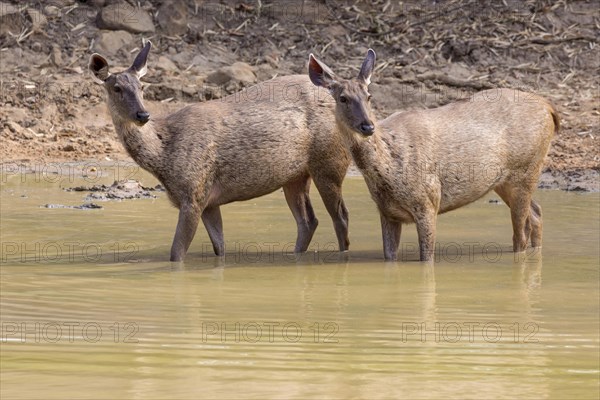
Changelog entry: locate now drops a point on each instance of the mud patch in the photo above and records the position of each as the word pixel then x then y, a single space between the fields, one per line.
pixel 84 206
pixel 119 190
pixel 579 180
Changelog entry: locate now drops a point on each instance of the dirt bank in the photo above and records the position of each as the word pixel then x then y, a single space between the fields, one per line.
pixel 428 55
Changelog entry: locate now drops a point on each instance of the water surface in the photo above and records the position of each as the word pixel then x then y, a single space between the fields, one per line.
pixel 92 308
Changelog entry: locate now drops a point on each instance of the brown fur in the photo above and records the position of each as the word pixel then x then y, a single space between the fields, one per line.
pixel 277 134
pixel 418 164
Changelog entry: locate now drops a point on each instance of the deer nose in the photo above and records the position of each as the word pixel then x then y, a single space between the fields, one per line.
pixel 367 129
pixel 143 116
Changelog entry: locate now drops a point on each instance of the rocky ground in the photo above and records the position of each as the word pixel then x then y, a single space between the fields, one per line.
pixel 429 53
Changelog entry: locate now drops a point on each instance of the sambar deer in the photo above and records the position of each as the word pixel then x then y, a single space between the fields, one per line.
pixel 208 154
pixel 418 164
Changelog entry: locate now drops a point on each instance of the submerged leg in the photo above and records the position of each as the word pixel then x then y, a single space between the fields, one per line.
pixel 189 216
pixel 426 233
pixel 519 201
pixel 297 197
pixel 390 230
pixel 331 193
pixel 535 217
pixel 211 217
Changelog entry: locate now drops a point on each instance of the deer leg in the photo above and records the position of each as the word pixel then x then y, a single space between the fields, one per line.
pixel 426 232
pixel 189 216
pixel 528 228
pixel 211 217
pixel 297 197
pixel 390 230
pixel 331 193
pixel 535 217
pixel 519 212
pixel 519 201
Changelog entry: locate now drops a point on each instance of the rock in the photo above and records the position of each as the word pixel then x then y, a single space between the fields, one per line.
pixel 173 17
pixel 52 11
pixel 166 64
pixel 83 42
pixel 122 16
pixel 273 62
pixel 77 69
pixel 19 131
pixel 8 9
pixel 456 50
pixel 264 72
pixel 239 72
pixel 36 47
pixel 56 56
pixel 38 20
pixel 119 190
pixel 19 116
pixel 89 206
pixel 457 70
pixel 109 42
pixel 69 147
pixel 207 59
pixel 11 20
pixel 171 88
pixel 335 30
pixel 84 206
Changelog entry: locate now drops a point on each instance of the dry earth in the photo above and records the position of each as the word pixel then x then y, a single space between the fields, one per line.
pixel 429 53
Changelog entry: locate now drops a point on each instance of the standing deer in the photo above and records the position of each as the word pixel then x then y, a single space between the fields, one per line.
pixel 418 164
pixel 213 153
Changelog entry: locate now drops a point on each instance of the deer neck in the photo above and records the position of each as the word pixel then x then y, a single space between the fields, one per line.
pixel 142 143
pixel 371 155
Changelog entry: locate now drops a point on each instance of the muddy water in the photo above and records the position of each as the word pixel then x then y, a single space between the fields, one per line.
pixel 91 307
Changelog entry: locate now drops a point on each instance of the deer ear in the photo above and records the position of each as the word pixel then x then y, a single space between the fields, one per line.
pixel 367 67
pixel 319 73
pixel 98 66
pixel 139 64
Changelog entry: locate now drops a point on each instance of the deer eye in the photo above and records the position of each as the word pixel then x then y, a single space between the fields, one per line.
pixel 117 89
pixel 343 99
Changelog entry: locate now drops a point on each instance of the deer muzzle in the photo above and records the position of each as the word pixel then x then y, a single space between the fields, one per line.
pixel 142 117
pixel 367 128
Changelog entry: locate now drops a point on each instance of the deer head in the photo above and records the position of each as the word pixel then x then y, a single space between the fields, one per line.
pixel 124 89
pixel 351 96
